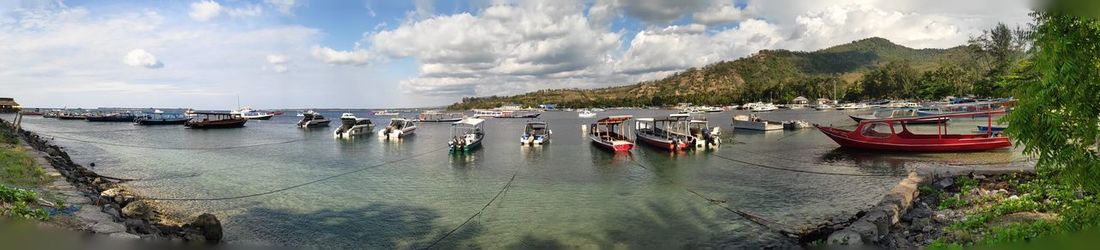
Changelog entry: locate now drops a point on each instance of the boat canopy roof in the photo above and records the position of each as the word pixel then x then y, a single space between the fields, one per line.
pixel 469 121
pixel 615 119
pixel 933 117
pixel 212 113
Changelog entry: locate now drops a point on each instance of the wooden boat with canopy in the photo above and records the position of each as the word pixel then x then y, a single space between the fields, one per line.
pixel 666 133
pixel 609 133
pixel 892 134
pixel 208 120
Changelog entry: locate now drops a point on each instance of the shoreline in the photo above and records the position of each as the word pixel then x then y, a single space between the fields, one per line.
pixel 106 206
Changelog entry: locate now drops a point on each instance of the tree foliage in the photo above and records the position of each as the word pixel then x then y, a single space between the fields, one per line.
pixel 1058 112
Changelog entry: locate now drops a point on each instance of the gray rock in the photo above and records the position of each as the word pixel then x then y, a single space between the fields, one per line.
pixel 944 183
pixel 137 209
pixel 108 228
pixel 867 231
pixel 207 226
pixel 920 223
pixel 845 237
pixel 109 209
pixel 920 210
pixel 124 236
pixel 139 226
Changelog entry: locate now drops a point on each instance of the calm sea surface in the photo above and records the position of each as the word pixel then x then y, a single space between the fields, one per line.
pixel 410 193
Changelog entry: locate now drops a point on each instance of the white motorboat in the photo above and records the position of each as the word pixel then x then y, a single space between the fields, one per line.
pixel 385 113
pixel 851 106
pixel 250 114
pixel 535 133
pixel 753 122
pixel 398 128
pixel 705 136
pixel 487 113
pixel 312 119
pixel 466 135
pixel 764 107
pixel 824 107
pixel 586 114
pixel 351 126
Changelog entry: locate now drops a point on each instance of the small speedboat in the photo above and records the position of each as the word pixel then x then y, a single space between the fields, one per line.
pixel 351 126
pixel 398 128
pixel 250 114
pixel 466 135
pixel 312 119
pixel 535 133
pixel 586 114
pixel 753 122
pixel 385 113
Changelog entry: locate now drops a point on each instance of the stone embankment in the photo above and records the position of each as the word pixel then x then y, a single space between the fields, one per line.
pixel 103 205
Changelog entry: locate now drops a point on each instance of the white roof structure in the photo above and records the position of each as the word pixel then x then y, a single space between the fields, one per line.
pixel 470 121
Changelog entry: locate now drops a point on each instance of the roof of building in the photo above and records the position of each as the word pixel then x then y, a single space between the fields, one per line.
pixel 8 101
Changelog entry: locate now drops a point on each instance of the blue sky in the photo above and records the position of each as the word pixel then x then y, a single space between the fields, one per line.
pixel 377 54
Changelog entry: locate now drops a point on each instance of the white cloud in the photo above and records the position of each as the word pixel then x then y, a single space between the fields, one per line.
pixel 356 57
pixel 205 10
pixel 142 58
pixel 245 11
pixel 278 63
pixel 503 45
pixel 283 6
pixel 720 12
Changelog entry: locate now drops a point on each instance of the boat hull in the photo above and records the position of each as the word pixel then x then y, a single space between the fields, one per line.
pixel 476 144
pixel 918 121
pixel 220 124
pixel 110 118
pixel 315 124
pixel 355 131
pixel 661 143
pixel 260 117
pixel 160 122
pixel 946 143
pixel 758 126
pixel 614 146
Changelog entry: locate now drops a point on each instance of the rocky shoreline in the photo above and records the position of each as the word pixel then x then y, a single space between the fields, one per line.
pixel 142 218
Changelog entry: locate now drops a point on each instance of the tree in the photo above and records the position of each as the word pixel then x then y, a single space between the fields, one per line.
pixel 893 80
pixel 1001 48
pixel 1057 116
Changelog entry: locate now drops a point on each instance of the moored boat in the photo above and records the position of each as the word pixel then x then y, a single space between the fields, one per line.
pixel 466 135
pixel 535 133
pixel 609 133
pixel 753 122
pixel 398 128
pixel 899 113
pixel 250 114
pixel 111 117
pixel 312 119
pixel 71 116
pixel 161 119
pixel 351 126
pixel 667 133
pixel 436 116
pixel 211 120
pixel 385 113
pixel 35 112
pixel 704 136
pixel 994 128
pixel 586 114
pixel 892 134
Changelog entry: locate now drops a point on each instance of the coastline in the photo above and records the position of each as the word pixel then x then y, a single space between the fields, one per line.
pixel 103 205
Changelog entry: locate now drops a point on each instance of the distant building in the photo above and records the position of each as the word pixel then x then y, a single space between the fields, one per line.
pixel 800 100
pixel 8 105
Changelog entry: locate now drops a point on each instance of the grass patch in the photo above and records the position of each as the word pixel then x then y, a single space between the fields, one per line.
pixel 19 168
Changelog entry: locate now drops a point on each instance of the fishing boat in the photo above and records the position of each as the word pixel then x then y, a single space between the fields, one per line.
pixel 312 119
pixel 535 133
pixel 111 117
pixel 436 116
pixel 518 114
pixel 51 114
pixel 753 122
pixel 398 128
pixel 899 113
pixel 586 114
pixel 250 114
pixel 609 133
pixel 35 112
pixel 161 118
pixel 892 134
pixel 466 135
pixel 385 113
pixel 71 116
pixel 211 120
pixel 667 134
pixel 351 126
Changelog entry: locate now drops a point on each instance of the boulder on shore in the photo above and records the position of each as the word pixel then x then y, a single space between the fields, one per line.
pixel 137 209
pixel 205 227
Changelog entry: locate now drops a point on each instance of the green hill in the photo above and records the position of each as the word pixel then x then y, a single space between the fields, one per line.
pixel 768 75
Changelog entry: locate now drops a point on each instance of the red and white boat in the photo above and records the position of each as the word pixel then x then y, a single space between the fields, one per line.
pixel 609 133
pixel 892 134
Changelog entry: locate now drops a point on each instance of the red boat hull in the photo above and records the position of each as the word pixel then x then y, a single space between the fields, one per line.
pixel 622 147
pixel 906 141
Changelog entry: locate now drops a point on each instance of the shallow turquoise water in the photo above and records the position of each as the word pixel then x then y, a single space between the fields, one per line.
pixel 566 194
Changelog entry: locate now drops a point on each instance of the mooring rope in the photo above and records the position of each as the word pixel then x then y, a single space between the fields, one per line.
pixel 170 148
pixel 297 185
pixel 479 212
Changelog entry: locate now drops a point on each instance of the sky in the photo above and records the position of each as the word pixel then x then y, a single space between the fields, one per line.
pixel 207 54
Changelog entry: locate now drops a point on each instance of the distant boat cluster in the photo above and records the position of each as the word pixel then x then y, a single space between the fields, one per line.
pixel 886 128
